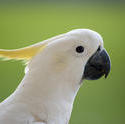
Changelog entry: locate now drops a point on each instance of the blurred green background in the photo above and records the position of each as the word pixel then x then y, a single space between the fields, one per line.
pixel 26 22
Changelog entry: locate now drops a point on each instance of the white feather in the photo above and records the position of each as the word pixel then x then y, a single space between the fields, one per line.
pixel 48 89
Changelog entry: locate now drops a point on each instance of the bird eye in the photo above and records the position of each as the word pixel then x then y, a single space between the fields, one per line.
pixel 99 48
pixel 79 49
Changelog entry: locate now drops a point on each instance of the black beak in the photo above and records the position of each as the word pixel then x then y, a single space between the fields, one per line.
pixel 97 66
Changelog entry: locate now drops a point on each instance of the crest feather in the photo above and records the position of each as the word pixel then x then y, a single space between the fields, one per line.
pixel 25 53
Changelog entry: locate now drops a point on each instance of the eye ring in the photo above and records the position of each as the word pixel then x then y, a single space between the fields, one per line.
pixel 79 49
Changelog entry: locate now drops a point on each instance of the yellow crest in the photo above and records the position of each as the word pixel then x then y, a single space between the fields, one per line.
pixel 25 53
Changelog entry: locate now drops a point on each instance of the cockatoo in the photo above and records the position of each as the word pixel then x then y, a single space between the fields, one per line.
pixel 54 73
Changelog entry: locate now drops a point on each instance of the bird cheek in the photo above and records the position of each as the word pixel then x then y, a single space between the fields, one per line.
pixel 59 63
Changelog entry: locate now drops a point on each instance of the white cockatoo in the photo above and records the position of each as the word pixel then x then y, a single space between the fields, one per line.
pixel 54 73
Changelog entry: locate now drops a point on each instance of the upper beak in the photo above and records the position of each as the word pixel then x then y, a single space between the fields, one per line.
pixel 97 66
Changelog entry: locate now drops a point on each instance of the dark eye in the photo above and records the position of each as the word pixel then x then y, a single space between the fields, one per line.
pixel 79 49
pixel 99 48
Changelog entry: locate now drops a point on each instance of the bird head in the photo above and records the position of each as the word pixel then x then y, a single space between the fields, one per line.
pixel 76 55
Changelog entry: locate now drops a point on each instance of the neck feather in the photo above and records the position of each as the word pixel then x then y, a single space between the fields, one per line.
pixel 48 97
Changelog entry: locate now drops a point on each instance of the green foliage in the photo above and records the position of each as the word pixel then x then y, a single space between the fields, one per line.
pixel 98 102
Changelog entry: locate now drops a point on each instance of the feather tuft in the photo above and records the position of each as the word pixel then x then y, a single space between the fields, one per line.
pixel 25 53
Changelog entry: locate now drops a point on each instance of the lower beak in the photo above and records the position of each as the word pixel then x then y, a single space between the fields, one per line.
pixel 97 66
